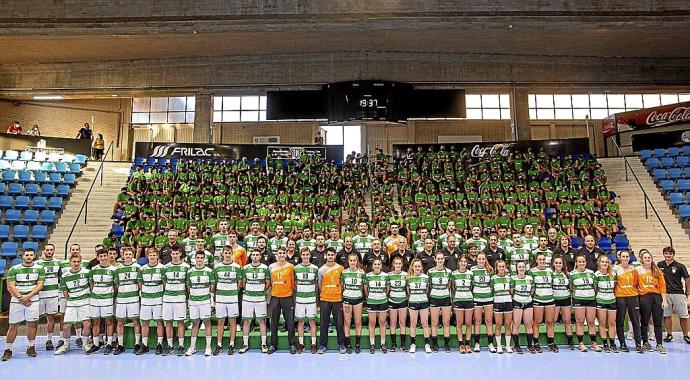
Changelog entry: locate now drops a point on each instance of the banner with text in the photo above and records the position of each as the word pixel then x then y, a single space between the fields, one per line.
pixel 235 151
pixel 647 118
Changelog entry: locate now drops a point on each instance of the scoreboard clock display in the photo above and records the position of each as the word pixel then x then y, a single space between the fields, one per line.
pixel 366 100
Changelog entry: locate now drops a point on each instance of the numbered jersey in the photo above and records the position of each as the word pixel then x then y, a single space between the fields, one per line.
pixel 605 285
pixel 543 284
pixel 175 281
pixel 500 286
pixel 200 281
pixel 397 283
pixel 530 243
pixel 277 242
pixel 76 284
pixel 255 282
pixel 560 282
pixel 481 285
pixel 337 244
pixel 419 288
pixel 462 283
pixel 219 241
pixel 152 284
pixel 26 278
pixel 227 282
pixel 51 284
pixel 481 243
pixel 548 255
pixel 439 280
pixel 522 288
pixel 362 243
pixel 583 285
pixel 102 281
pixel 376 288
pixel 353 282
pixel 250 241
pixel 127 278
pixel 516 255
pixel 306 278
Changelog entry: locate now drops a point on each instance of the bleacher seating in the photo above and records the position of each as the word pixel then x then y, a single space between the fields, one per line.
pixel 670 169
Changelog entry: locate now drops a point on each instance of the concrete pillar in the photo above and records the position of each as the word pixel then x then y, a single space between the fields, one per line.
pixel 521 111
pixel 203 118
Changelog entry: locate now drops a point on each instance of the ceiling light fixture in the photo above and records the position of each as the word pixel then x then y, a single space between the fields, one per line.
pixel 48 97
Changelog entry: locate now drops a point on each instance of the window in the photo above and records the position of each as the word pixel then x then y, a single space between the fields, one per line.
pixel 594 106
pixel 349 136
pixel 230 109
pixel 163 110
pixel 487 106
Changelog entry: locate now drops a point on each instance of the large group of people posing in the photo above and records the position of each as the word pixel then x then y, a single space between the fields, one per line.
pixel 505 288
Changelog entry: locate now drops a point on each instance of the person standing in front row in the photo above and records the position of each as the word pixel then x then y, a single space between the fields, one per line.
pixel 282 300
pixel 675 274
pixel 331 297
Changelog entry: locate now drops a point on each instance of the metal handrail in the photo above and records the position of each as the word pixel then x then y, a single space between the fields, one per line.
pixel 644 193
pixel 85 205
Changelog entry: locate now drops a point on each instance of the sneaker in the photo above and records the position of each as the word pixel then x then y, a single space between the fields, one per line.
pixel 120 349
pixel 614 348
pixel 167 351
pixel 60 344
pixel 606 348
pixel 343 350
pixel 686 339
pixel 403 348
pixel 394 347
pixel 596 348
pixel 322 350
pixel 552 347
pixel 59 351
pixel 108 350
pixel 384 349
pixel 583 348
pixel 7 355
pixel 180 351
pixel 80 343
pixel 446 347
pixel 531 349
pixel 231 350
pixel 93 349
pixel 264 349
pixel 661 349
pixel 651 335
pixel 668 338
pixel 137 346
pixel 358 349
pixel 314 350
pixel 244 349
pixel 647 347
pixel 269 351
pixel 630 335
pixel 639 348
pixel 624 348
pixel 468 349
pixel 413 348
pixel 538 349
pixel 492 349
pixel 31 351
pixel 427 348
pixel 159 349
pixel 348 349
pixel 509 349
pixel 499 349
pixel 208 351
pixel 571 347
pixel 372 349
pixel 216 351
pixel 142 350
pixel 191 351
pixel 293 349
pixel 49 345
pixel 476 347
pixel 461 348
pixel 434 345
pixel 517 349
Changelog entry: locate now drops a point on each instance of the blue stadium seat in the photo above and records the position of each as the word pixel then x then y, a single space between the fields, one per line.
pixel 675 173
pixel 684 212
pixel 683 185
pixel 9 249
pixel 15 188
pixel 55 178
pixel 21 201
pixel 63 167
pixel 3 187
pixel 686 150
pixel 40 156
pixel 63 190
pixel 12 216
pixel 667 162
pixel 11 155
pixel 4 231
pixel 604 243
pixel 652 163
pixel 142 261
pixel 38 203
pixel 31 189
pixel 26 156
pixel 55 203
pixel 645 154
pixel 54 157
pixel 69 179
pixel 48 166
pixel 575 243
pixel 659 152
pixel 20 232
pixel 659 174
pixel 47 217
pixel 667 185
pixel 34 166
pixel 16 261
pixel 151 161
pixel 30 244
pixel 5 201
pixel 621 242
pixel 3 266
pixel 682 161
pixel 676 198
pixel 30 217
pixel 39 232
pixel 18 165
pixel 8 175
pixel 75 168
pixel 673 151
pixel 47 189
pixel 80 159
pixel 4 165
pixel 118 230
pixel 24 176
pixel 40 177
pixel 138 161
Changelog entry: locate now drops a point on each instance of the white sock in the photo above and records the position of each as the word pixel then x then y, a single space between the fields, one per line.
pixel 383 341
pixel 85 340
pixel 180 342
pixel 263 340
pixel 508 340
pixel 245 339
pixel 114 336
pixel 101 338
pixel 372 340
pixel 110 340
pixel 170 344
pixel 8 346
pixel 159 340
pixel 62 335
pixel 97 342
pixel 50 336
pixel 78 332
pixel 137 338
pixel 498 340
pixel 145 341
pixel 192 344
pixel 208 341
pixel 301 340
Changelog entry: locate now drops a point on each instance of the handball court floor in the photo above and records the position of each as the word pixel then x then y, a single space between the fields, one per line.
pixel 397 365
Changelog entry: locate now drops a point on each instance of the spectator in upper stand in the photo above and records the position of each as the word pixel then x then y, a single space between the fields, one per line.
pixel 15 128
pixel 318 139
pixel 85 133
pixel 98 147
pixel 34 131
pixel 591 252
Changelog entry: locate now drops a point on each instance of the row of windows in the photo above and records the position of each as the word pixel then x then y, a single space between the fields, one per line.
pixel 594 106
pixel 163 110
pixel 228 109
pixel 487 106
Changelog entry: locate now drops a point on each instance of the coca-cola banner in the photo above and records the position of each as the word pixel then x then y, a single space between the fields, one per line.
pixel 235 151
pixel 647 118
pixel 488 149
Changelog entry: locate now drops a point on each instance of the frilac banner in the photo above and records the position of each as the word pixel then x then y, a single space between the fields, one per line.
pixel 645 118
pixel 235 151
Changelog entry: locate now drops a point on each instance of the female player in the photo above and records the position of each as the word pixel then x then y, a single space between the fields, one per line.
pixel 397 302
pixel 483 300
pixel 562 298
pixel 439 301
pixel 544 309
pixel 353 300
pixel 376 292
pixel 522 288
pixel 627 300
pixel 503 305
pixel 418 289
pixel 605 282
pixel 652 287
pixel 463 304
pixel 584 303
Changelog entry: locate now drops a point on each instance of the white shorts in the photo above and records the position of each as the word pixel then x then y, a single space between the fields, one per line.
pixel 200 312
pixel 305 311
pixel 76 314
pixel 127 310
pixel 253 310
pixel 174 311
pixel 48 306
pixel 62 305
pixel 677 303
pixel 96 312
pixel 151 312
pixel 227 310
pixel 20 313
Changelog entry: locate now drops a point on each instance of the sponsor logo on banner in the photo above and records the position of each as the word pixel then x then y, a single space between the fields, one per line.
pixel 173 150
pixel 494 150
pixel 294 152
pixel 647 118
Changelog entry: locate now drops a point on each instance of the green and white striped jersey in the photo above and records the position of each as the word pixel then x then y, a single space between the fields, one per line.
pixel 306 278
pixel 200 281
pixel 189 246
pixel 275 242
pixel 522 288
pixel 439 280
pixel 462 283
pixel 127 279
pixel 219 241
pixel 398 287
pixel 228 277
pixel 543 284
pixel 443 243
pixel 481 285
pixel 352 284
pixel 604 284
pixel 481 243
pixel 583 285
pixel 362 243
pixel 515 255
pixel 561 289
pixel 336 244
pixel 530 243
pixel 152 284
pixel 500 286
pixel 505 244
pixel 250 242
pixel 309 243
pixel 419 288
pixel 209 260
pixel 65 266
pixel 51 284
pixel 376 288
pixel 26 278
pixel 548 255
pixel 175 281
pixel 102 281
pixel 255 282
pixel 77 286
pixel 417 246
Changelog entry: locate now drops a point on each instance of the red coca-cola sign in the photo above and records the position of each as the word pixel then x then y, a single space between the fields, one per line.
pixel 647 118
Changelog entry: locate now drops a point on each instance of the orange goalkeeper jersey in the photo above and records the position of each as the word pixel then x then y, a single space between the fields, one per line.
pixel 282 279
pixel 331 289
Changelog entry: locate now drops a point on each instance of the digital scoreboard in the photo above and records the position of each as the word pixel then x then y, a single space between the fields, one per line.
pixel 366 100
